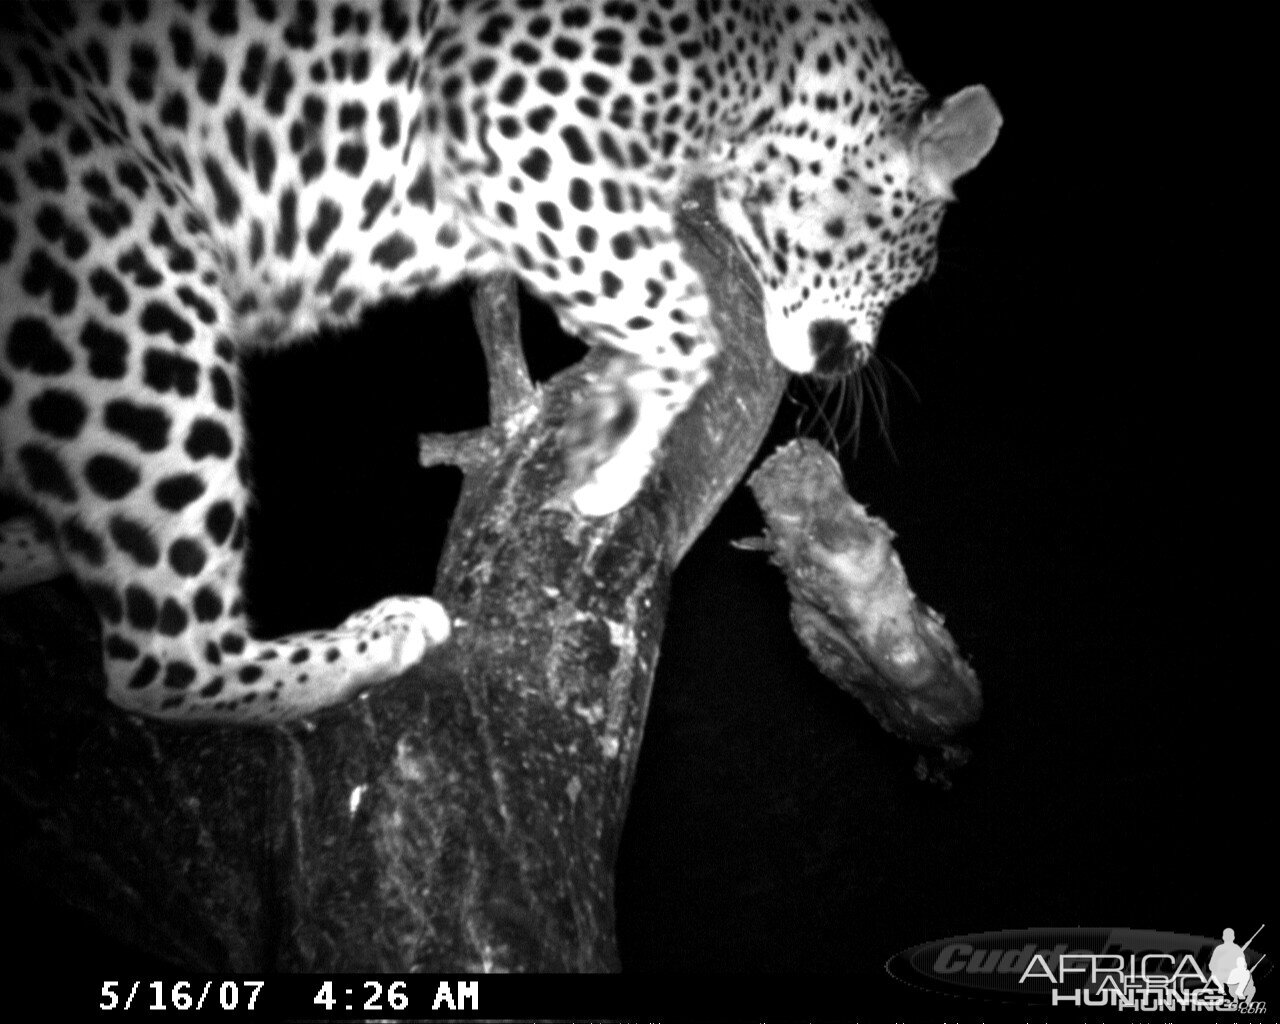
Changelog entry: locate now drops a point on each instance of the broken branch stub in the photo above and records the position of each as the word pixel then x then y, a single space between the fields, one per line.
pixel 851 604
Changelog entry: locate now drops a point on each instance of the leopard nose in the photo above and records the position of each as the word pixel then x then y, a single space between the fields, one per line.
pixel 830 342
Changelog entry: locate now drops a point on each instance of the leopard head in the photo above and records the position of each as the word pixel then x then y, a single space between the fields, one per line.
pixel 840 209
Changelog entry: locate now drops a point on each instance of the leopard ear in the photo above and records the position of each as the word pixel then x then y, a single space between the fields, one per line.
pixel 954 139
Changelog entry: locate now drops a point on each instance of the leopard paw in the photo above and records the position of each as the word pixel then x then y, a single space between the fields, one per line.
pixel 405 627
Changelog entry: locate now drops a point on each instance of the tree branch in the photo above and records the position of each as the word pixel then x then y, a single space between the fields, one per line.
pixel 854 611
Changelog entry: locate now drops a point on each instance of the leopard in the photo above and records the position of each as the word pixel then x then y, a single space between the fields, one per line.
pixel 185 182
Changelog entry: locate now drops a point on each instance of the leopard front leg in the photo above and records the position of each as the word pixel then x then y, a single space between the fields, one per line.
pixel 658 323
pixel 615 433
pixel 591 229
pixel 142 485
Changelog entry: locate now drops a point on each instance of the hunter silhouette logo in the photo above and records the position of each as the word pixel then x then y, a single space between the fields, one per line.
pixel 1229 970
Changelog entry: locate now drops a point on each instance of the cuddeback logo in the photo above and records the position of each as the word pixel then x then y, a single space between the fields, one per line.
pixel 1123 968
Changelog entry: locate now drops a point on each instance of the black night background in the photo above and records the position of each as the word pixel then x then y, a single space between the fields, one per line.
pixel 1052 456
